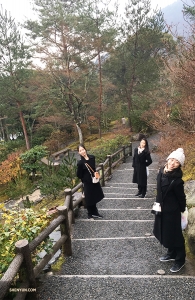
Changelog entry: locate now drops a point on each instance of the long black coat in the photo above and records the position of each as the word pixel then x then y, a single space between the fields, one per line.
pixel 93 191
pixel 170 193
pixel 140 162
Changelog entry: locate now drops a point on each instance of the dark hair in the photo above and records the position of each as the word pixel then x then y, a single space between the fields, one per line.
pixel 146 146
pixel 81 145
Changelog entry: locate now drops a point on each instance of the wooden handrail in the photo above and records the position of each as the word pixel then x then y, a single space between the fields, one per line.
pixel 65 220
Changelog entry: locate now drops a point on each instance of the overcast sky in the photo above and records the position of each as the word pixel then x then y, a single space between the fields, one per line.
pixel 20 9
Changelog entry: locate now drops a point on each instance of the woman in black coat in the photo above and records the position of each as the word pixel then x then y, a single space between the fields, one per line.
pixel 141 160
pixel 92 191
pixel 171 196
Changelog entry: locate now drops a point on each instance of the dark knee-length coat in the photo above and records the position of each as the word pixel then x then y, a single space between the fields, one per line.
pixel 170 193
pixel 92 191
pixel 140 162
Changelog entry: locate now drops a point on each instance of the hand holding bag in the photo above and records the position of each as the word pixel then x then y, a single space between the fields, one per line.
pixel 96 176
pixel 184 219
pixel 156 209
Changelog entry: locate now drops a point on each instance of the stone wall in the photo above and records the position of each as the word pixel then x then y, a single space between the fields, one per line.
pixel 189 187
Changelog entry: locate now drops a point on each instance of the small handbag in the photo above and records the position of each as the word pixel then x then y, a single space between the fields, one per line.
pixel 156 209
pixel 184 219
pixel 96 177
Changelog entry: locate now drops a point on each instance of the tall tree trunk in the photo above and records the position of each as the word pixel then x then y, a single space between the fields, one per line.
pixel 2 129
pixel 129 93
pixel 79 133
pixel 23 127
pixel 100 94
pixel 129 112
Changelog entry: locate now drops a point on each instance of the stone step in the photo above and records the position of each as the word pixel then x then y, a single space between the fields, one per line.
pixel 126 177
pixel 121 190
pixel 121 214
pixel 101 228
pixel 115 287
pixel 125 203
pixel 119 256
pixel 123 195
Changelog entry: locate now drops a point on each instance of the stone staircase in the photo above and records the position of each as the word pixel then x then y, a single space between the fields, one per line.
pixel 117 257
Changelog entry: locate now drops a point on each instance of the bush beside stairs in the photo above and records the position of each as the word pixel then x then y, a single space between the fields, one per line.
pixel 117 257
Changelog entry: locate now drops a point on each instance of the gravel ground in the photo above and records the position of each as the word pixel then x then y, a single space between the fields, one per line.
pixel 58 288
pixel 118 257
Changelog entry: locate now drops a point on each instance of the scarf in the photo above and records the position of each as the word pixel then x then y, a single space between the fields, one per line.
pixel 140 150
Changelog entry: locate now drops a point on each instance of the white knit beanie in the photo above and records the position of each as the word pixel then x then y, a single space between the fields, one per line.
pixel 179 155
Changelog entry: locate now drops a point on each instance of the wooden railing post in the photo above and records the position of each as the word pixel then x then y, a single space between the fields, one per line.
pixel 130 148
pixel 109 165
pixel 124 154
pixel 22 246
pixel 68 192
pixel 83 197
pixel 64 226
pixel 102 171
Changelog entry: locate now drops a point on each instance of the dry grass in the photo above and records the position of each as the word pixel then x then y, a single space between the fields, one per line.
pixel 176 138
pixel 93 140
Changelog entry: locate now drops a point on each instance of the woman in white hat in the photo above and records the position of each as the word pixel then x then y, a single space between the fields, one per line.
pixel 171 196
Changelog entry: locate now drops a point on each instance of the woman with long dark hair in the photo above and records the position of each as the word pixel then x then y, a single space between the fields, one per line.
pixel 92 191
pixel 141 160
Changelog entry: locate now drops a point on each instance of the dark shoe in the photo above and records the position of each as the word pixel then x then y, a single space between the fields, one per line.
pixel 166 257
pixel 141 196
pixel 138 194
pixel 90 217
pixel 177 267
pixel 98 216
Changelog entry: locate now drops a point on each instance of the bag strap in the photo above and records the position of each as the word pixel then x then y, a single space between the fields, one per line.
pixel 88 166
pixel 167 190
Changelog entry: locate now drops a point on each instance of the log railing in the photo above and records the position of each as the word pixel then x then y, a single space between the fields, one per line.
pixel 23 260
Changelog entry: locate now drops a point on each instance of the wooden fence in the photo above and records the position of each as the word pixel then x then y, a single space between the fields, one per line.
pixel 23 261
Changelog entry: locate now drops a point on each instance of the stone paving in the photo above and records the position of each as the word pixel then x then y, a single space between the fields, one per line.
pixel 117 257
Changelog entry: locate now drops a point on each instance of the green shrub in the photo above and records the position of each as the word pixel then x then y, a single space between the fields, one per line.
pixel 8 147
pixel 42 134
pixel 57 178
pixel 108 147
pixel 21 186
pixel 18 225
pixel 31 159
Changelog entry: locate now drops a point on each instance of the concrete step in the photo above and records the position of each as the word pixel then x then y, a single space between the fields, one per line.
pixel 121 214
pixel 123 195
pixel 124 287
pixel 112 183
pixel 111 228
pixel 125 190
pixel 125 203
pixel 119 256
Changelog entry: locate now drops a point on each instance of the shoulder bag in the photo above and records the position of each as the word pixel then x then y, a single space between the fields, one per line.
pixel 96 176
pixel 156 209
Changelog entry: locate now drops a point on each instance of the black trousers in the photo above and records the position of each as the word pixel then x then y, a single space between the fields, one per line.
pixel 178 253
pixel 92 210
pixel 142 189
